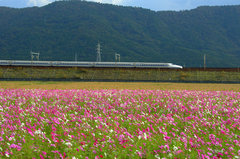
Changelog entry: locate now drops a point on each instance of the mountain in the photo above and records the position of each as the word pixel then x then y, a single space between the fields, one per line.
pixel 65 28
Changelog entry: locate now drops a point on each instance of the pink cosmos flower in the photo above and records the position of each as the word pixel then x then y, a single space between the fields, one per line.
pixel 41 157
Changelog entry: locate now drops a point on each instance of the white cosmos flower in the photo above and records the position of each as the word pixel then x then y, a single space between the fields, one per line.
pixel 145 136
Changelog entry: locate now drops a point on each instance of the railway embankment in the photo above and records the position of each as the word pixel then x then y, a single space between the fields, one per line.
pixel 195 75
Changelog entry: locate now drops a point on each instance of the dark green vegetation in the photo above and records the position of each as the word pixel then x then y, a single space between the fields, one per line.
pixel 61 29
pixel 116 74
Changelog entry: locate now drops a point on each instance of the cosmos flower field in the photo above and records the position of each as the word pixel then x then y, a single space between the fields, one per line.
pixel 119 124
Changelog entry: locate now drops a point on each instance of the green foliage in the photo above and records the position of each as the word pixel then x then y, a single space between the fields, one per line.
pixel 118 74
pixel 183 76
pixel 61 29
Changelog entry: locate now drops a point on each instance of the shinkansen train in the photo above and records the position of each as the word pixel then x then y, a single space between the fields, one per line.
pixel 88 64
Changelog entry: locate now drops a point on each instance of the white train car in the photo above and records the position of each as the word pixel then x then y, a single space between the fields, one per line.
pixel 88 64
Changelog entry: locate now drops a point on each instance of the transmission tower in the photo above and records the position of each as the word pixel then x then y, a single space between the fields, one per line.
pixel 98 52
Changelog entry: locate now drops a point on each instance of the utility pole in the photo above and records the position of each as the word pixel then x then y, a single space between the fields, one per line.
pixel 75 57
pixel 33 54
pixel 117 57
pixel 204 61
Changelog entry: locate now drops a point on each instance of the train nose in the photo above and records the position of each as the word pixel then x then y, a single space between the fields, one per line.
pixel 177 66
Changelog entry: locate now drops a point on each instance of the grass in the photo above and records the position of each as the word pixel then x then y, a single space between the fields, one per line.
pixel 117 85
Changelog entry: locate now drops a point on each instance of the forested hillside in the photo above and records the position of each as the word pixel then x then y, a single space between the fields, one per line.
pixel 62 29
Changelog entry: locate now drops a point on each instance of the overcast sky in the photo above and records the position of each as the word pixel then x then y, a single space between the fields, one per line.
pixel 156 5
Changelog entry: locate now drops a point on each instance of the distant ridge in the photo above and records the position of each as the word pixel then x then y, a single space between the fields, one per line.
pixel 65 28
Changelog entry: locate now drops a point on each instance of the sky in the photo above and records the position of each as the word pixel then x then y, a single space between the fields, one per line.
pixel 157 5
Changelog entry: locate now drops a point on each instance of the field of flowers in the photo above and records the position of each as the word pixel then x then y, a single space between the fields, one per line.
pixel 98 124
